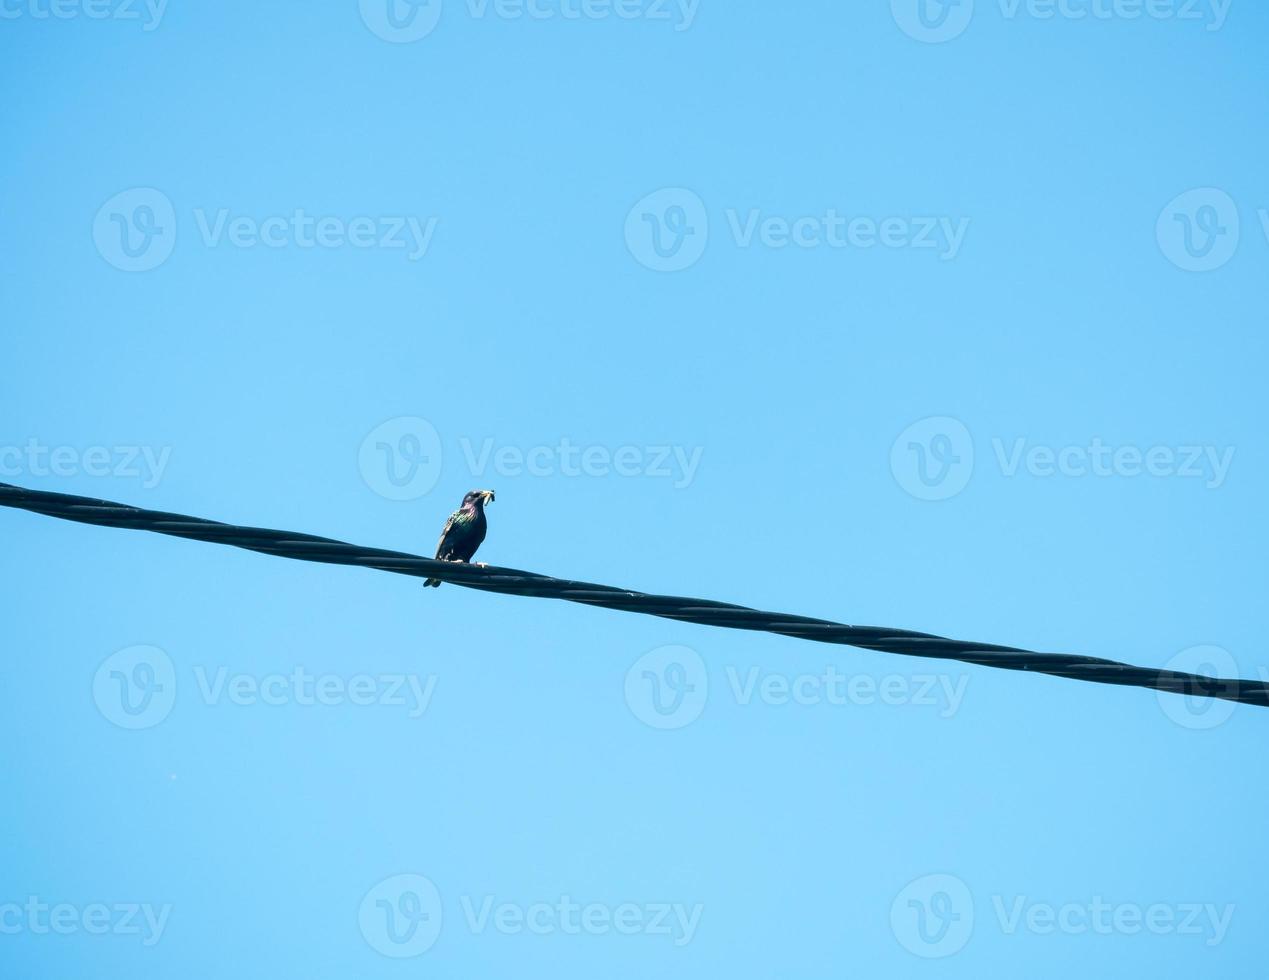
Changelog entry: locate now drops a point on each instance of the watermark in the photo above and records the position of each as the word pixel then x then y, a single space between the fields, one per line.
pixel 136 230
pixel 39 918
pixel 938 21
pixel 1096 916
pixel 834 230
pixel 668 687
pixel 407 21
pixel 1207 464
pixel 400 21
pixel 402 917
pixel 149 13
pixel 831 687
pixel 1199 231
pixel 402 459
pixel 677 464
pixel 136 688
pixel 1196 705
pixel 933 459
pixel 34 458
pixel 410 692
pixel 934 917
pixel 674 921
pixel 669 229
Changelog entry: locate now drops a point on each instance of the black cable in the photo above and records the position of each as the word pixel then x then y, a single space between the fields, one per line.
pixel 307 547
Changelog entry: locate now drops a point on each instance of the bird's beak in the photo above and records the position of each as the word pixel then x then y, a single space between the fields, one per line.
pixel 487 496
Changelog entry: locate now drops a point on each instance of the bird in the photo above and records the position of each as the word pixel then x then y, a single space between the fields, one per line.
pixel 464 531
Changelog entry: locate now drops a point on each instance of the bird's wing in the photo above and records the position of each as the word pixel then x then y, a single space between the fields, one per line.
pixel 440 544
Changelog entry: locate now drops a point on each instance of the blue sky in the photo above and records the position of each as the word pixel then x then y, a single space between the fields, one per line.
pixel 942 318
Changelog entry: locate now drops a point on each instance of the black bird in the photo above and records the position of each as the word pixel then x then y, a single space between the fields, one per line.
pixel 464 531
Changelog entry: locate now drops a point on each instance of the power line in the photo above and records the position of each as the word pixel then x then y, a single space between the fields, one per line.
pixel 307 547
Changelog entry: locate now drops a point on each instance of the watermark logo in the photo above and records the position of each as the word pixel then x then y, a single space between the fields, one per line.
pixel 667 230
pixel 1199 230
pixel 405 21
pixel 936 21
pixel 401 916
pixel 1195 707
pixel 933 916
pixel 135 231
pixel 150 12
pixel 401 21
pixel 933 459
pixel 401 459
pixel 932 21
pixel 135 687
pixel 667 687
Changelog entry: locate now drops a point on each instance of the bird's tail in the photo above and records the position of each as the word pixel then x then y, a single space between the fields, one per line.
pixel 434 583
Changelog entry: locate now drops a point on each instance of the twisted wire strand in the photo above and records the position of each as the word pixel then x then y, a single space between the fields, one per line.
pixel 706 612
